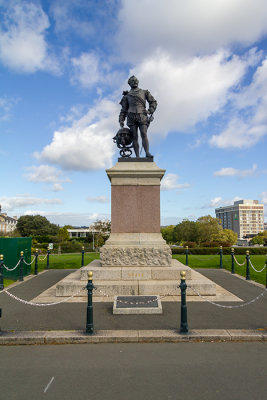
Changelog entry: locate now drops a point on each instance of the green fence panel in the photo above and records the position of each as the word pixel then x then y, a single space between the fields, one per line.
pixel 11 248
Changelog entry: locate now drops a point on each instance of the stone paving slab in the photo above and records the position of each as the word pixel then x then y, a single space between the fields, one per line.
pixel 133 336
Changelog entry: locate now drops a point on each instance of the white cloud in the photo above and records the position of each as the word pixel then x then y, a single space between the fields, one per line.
pixel 98 199
pixel 263 197
pixel 219 202
pixel 249 122
pixel 169 182
pixel 191 90
pixel 186 28
pixel 45 173
pixel 23 45
pixel 87 144
pixel 90 70
pixel 12 203
pixel 6 104
pixel 57 187
pixel 236 172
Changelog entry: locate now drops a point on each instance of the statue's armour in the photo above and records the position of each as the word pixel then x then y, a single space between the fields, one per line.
pixel 135 102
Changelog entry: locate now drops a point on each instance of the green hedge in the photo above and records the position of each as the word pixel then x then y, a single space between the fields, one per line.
pixel 226 250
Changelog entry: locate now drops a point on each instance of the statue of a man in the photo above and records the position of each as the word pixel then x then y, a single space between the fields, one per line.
pixel 133 106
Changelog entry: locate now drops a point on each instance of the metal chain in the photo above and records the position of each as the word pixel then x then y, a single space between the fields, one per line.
pixel 223 306
pixel 239 263
pixel 11 269
pixel 42 259
pixel 30 262
pixel 41 304
pixel 255 268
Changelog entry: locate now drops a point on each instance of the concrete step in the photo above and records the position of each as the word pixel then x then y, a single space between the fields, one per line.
pixel 135 273
pixel 150 287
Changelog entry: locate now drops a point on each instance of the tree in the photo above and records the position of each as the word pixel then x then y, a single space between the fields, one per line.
pixel 167 233
pixel 186 231
pixel 102 231
pixel 33 225
pixel 63 234
pixel 207 227
pixel 225 237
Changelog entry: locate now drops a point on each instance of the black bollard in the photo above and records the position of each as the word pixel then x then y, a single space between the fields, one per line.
pixel 186 255
pixel 1 272
pixel 21 275
pixel 183 286
pixel 233 260
pixel 47 259
pixel 89 320
pixel 247 270
pixel 221 256
pixel 82 256
pixel 36 263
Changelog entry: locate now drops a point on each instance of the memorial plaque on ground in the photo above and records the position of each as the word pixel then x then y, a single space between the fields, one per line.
pixel 137 305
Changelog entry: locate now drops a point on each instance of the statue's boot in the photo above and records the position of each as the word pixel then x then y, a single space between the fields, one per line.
pixel 148 155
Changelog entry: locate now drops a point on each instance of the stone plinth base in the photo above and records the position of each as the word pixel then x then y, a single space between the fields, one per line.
pixel 137 281
pixel 135 249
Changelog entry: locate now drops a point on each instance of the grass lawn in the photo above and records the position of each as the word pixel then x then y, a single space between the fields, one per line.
pixel 73 261
pixel 213 261
pixel 64 261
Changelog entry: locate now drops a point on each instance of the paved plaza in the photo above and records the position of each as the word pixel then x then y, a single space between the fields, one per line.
pixel 66 322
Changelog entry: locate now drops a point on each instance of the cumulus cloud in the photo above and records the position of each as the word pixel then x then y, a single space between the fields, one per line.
pixel 6 105
pixel 23 45
pixel 185 28
pixel 263 197
pixel 98 199
pixel 219 202
pixel 89 70
pixel 66 218
pixel 192 90
pixel 45 173
pixel 169 182
pixel 57 187
pixel 242 173
pixel 249 122
pixel 87 144
pixel 12 203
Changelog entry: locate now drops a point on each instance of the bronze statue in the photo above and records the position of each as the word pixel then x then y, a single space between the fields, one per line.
pixel 133 106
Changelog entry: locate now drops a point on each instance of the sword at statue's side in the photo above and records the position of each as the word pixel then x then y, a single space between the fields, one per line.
pixel 150 119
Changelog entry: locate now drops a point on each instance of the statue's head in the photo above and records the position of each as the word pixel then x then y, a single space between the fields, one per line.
pixel 133 82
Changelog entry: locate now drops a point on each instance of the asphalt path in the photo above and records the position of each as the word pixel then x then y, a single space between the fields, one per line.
pixel 72 316
pixel 201 371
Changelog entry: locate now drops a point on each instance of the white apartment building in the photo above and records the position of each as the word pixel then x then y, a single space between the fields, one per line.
pixel 245 217
pixel 7 224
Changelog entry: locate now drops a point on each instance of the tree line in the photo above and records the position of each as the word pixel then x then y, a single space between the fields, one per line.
pixel 43 232
pixel 205 232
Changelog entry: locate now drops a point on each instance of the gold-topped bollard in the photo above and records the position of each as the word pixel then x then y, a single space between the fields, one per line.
pixel 36 263
pixel 89 319
pixel 1 272
pixel 21 274
pixel 233 260
pixel 247 269
pixel 183 286
pixel 82 256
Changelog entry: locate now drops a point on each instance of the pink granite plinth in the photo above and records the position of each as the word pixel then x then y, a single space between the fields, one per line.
pixel 135 209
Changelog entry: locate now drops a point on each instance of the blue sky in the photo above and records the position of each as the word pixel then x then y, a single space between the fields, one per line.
pixel 63 67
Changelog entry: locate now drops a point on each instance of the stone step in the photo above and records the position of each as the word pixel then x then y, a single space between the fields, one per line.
pixel 135 273
pixel 134 288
